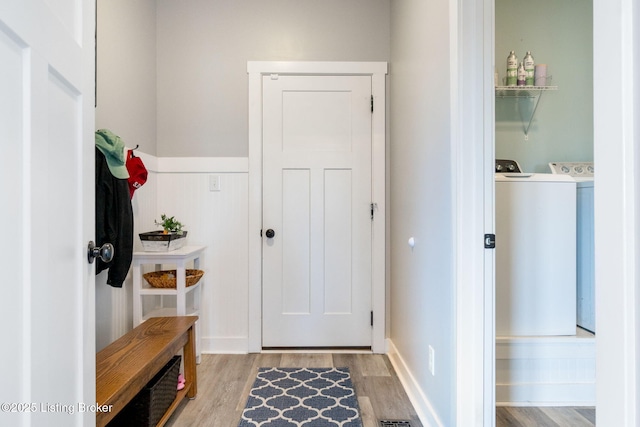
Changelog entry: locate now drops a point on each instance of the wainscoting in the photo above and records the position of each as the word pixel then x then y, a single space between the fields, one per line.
pixel 217 219
pixel 546 371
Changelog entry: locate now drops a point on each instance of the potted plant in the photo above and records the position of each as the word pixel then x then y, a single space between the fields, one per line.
pixel 171 237
pixel 170 225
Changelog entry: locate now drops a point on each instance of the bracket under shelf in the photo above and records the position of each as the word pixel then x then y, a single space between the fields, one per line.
pixel 530 92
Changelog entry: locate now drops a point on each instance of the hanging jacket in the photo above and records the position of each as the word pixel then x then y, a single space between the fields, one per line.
pixel 114 221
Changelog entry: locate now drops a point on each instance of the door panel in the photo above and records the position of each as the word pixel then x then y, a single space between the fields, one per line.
pixel 320 122
pixel 338 245
pixel 316 196
pixel 296 239
pixel 46 176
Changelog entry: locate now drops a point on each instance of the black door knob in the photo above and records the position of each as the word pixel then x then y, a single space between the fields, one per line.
pixel 105 252
pixel 270 233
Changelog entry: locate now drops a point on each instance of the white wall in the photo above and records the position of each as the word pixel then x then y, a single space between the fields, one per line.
pixel 204 46
pixel 422 288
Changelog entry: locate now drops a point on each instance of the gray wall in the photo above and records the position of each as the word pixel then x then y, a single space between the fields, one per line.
pixel 558 33
pixel 126 104
pixel 126 71
pixel 422 287
pixel 204 46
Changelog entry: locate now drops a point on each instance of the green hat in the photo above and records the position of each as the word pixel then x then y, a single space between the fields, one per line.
pixel 112 147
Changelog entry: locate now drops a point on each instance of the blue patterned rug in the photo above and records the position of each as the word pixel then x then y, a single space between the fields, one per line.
pixel 294 397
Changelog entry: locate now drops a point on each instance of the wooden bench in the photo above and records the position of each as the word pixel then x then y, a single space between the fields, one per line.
pixel 125 366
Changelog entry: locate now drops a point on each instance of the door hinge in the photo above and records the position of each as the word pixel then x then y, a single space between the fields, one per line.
pixel 371 317
pixel 372 103
pixel 489 241
pixel 373 207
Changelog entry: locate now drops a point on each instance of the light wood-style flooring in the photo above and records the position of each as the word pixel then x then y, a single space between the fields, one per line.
pixel 545 416
pixel 224 381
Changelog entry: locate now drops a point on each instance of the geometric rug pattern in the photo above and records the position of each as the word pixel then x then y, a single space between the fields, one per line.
pixel 295 397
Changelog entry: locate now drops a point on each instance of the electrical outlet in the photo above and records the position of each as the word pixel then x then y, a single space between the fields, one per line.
pixel 432 361
pixel 214 182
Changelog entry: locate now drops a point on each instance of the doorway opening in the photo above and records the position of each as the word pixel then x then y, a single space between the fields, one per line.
pixel 536 127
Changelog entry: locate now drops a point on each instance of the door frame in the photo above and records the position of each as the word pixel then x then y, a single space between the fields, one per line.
pixel 617 218
pixel 377 71
pixel 616 105
pixel 473 133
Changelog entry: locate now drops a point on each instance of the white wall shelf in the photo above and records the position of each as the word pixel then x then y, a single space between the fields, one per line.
pixel 522 91
pixel 533 93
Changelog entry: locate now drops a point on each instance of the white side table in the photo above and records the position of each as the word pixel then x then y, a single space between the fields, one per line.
pixel 180 258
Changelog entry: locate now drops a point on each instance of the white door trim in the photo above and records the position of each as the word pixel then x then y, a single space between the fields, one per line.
pixel 377 71
pixel 472 48
pixel 616 104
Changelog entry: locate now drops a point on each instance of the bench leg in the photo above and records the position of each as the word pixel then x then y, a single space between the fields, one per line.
pixel 190 372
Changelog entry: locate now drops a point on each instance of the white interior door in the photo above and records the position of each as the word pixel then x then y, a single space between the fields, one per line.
pixel 46 180
pixel 317 201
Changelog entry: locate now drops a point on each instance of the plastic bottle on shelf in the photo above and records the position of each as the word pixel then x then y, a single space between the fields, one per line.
pixel 529 68
pixel 521 75
pixel 512 69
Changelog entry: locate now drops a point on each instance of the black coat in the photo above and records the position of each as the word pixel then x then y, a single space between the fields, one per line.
pixel 114 221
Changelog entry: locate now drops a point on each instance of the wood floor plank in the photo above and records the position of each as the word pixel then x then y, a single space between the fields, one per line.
pixel 387 397
pixel 372 365
pixel 588 413
pixel 533 417
pixel 306 360
pixel 366 412
pixel 566 416
pixel 545 416
pixel 504 418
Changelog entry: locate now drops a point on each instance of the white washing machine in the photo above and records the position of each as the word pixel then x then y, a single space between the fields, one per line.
pixel 535 253
pixel 583 174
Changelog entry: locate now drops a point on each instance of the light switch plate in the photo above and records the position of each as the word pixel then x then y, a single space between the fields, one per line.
pixel 214 182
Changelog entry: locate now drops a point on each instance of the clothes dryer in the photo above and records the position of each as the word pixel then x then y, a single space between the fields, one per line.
pixel 583 174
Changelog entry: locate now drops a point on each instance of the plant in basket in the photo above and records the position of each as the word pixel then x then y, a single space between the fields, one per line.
pixel 171 237
pixel 170 224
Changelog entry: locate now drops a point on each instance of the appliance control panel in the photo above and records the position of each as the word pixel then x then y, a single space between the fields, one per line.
pixel 574 169
pixel 507 166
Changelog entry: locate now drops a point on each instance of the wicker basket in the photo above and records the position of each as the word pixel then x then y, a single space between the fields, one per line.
pixel 167 278
pixel 150 405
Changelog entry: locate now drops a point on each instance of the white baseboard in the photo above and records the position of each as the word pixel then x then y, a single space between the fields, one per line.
pixel 550 394
pixel 418 399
